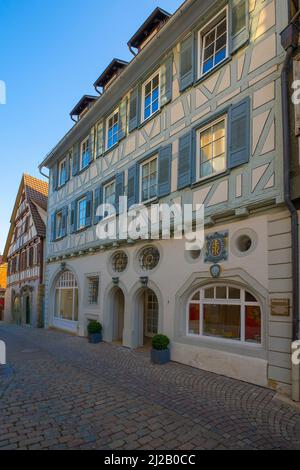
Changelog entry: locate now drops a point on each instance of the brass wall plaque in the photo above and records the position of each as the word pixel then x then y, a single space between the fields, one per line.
pixel 280 307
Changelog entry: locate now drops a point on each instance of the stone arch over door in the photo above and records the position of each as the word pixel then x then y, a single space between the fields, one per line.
pixel 146 304
pixel 27 305
pixel 114 313
pixel 16 309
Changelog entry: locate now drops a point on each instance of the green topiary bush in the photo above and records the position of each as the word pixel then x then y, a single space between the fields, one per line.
pixel 160 342
pixel 94 327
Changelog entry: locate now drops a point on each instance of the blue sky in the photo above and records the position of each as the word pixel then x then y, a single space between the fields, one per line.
pixel 51 52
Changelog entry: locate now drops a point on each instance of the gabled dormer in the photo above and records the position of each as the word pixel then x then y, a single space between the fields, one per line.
pixel 149 29
pixel 82 107
pixel 114 69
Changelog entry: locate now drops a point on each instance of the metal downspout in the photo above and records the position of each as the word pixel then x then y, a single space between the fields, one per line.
pixel 287 189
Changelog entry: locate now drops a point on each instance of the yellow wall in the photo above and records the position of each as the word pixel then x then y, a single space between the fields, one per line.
pixel 3 274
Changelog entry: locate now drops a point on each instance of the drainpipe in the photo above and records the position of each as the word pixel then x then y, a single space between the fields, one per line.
pixel 287 188
pixel 43 174
pixel 290 43
pixel 98 91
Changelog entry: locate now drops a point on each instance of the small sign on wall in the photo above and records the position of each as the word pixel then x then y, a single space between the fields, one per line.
pixel 280 307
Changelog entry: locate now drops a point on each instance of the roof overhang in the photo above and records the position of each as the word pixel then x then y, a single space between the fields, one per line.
pixel 115 67
pixel 157 17
pixel 183 20
pixel 85 101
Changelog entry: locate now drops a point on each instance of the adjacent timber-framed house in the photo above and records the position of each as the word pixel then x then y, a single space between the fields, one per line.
pixel 194 118
pixel 24 253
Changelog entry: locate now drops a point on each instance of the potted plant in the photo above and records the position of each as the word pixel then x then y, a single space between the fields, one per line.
pixel 160 352
pixel 95 332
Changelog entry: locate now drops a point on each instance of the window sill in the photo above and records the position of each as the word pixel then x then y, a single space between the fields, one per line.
pixel 212 71
pixel 224 341
pixel 59 239
pixel 210 179
pixel 82 229
pixel 149 201
pixel 149 119
pixel 62 186
pixel 83 169
pixel 107 151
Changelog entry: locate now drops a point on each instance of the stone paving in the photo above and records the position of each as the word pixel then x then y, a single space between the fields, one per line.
pixel 64 393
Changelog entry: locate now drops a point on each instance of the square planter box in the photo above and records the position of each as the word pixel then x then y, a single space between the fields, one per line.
pixel 95 338
pixel 160 357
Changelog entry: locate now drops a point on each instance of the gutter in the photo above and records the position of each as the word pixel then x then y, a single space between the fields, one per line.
pixel 287 182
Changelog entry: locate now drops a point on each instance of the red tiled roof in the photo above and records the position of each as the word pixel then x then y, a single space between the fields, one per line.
pixel 36 193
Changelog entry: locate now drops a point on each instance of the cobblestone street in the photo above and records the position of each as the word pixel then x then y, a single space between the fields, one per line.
pixel 66 394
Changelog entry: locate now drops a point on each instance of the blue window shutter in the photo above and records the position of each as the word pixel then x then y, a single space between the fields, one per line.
pixel 53 227
pixel 55 177
pixel 133 185
pixel 76 158
pixel 89 209
pixel 65 221
pixel 164 171
pixel 73 222
pixel 100 140
pixel 119 190
pixel 239 134
pixel 184 161
pixel 134 109
pixel 187 63
pixel 166 81
pixel 239 24
pixel 122 119
pixel 92 145
pixel 68 167
pixel 194 157
pixel 97 203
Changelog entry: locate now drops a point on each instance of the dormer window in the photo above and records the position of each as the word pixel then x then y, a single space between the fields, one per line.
pixel 114 69
pixel 113 129
pixel 82 107
pixel 149 29
pixel 151 96
pixel 85 154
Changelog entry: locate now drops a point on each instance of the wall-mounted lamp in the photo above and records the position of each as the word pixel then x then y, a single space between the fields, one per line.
pixel 144 281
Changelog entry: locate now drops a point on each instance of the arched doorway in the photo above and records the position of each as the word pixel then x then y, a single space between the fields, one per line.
pixel 117 313
pixel 147 317
pixel 17 310
pixel 27 310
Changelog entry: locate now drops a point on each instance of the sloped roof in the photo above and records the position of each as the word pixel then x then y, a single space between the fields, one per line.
pixel 36 193
pixel 157 16
pixel 85 101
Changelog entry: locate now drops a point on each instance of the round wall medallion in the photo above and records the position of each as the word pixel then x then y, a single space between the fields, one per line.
pixel 215 271
pixel 149 258
pixel 119 262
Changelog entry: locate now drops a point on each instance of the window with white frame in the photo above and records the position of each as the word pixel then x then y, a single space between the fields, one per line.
pixel 59 225
pixel 211 147
pixel 62 172
pixel 85 153
pixel 81 214
pixel 93 290
pixel 214 43
pixel 66 297
pixel 109 193
pixel 151 96
pixel 113 129
pixel 149 179
pixel 225 312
